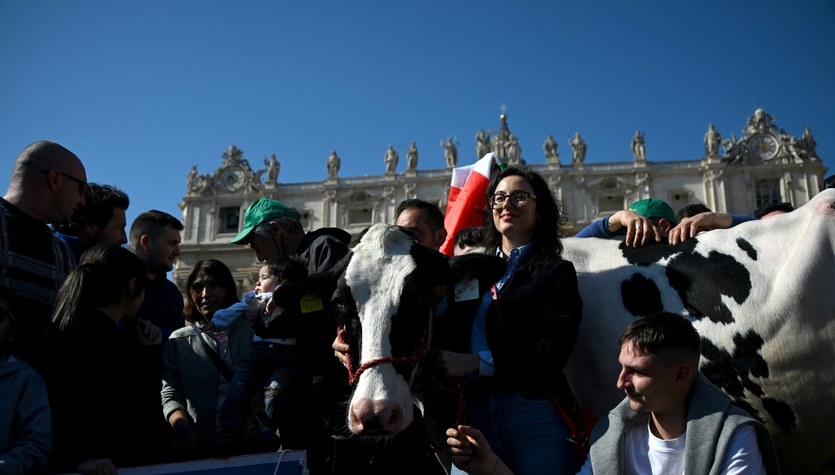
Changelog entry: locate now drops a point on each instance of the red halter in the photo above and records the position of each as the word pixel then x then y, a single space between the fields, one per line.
pixel 353 375
pixel 420 352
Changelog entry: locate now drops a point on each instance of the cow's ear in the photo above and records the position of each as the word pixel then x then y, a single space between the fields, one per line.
pixel 432 264
pixel 482 267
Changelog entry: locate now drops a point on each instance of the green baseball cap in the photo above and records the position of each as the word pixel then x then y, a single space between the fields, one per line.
pixel 262 210
pixel 654 208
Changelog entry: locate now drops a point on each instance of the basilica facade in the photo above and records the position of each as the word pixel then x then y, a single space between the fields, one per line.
pixel 764 165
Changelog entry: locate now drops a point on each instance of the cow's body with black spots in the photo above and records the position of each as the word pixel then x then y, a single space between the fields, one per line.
pixel 761 295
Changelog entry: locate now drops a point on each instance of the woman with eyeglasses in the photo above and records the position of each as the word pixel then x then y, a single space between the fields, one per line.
pixel 523 331
pixel 102 384
pixel 199 363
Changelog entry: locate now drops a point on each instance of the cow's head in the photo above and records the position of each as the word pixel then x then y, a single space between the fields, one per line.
pixel 384 299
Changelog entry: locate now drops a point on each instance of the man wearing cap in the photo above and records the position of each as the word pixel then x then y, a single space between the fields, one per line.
pixel 272 229
pixel 644 222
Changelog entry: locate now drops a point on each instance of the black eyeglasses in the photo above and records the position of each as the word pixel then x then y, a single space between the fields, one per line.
pixel 519 199
pixel 82 185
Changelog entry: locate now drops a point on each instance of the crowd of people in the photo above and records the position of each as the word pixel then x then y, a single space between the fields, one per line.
pixel 104 364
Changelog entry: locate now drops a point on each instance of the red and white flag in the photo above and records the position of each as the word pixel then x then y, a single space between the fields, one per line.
pixel 467 198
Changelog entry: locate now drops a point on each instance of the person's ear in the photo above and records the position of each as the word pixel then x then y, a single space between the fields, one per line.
pixel 88 230
pixel 145 241
pixel 52 179
pixel 684 373
pixel 665 225
pixel 440 237
pixel 275 228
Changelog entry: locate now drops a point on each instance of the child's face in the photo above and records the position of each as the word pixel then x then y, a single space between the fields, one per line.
pixel 267 282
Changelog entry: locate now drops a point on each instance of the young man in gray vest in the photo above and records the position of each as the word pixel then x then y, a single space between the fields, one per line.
pixel 672 421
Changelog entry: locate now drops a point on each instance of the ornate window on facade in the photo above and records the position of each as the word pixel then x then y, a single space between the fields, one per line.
pixel 768 192
pixel 360 216
pixel 228 219
pixel 609 204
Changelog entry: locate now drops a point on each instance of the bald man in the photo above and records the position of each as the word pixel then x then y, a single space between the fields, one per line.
pixel 47 185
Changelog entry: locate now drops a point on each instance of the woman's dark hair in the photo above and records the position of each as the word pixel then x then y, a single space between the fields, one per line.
pixel 101 278
pixel 222 276
pixel 549 219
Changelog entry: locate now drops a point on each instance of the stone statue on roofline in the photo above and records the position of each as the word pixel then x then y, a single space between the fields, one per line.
pixel 639 150
pixel 450 153
pixel 412 157
pixel 391 159
pixel 482 140
pixel 578 155
pixel 712 142
pixel 333 164
pixel 273 167
pixel 552 155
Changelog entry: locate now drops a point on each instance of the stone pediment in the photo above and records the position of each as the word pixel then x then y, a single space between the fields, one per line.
pixel 763 142
pixel 607 184
pixel 358 198
pixel 234 176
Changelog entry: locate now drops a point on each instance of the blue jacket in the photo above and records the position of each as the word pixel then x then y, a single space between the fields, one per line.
pixel 25 420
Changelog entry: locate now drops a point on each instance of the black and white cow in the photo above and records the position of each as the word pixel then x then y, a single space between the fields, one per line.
pixel 384 299
pixel 761 295
pixel 386 292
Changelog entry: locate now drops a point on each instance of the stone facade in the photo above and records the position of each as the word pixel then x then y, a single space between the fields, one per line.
pixel 735 176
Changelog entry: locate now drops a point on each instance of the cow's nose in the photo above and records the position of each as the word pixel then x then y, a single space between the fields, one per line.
pixel 375 417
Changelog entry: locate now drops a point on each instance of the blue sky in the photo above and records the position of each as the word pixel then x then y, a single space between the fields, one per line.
pixel 142 91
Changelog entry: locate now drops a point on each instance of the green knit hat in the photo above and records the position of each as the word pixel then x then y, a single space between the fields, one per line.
pixel 654 208
pixel 260 211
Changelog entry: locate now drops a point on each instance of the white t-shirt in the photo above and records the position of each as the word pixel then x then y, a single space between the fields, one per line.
pixel 647 454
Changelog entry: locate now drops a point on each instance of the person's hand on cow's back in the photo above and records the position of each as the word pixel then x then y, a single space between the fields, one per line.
pixel 456 365
pixel 640 231
pixel 690 227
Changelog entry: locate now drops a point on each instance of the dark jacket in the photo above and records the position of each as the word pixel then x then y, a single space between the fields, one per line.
pixel 104 393
pixel 533 325
pixel 531 328
pixel 323 248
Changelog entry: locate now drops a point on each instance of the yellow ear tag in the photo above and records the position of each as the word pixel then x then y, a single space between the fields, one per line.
pixel 311 303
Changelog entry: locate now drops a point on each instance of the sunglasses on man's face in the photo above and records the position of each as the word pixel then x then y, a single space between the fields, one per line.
pixel 82 185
